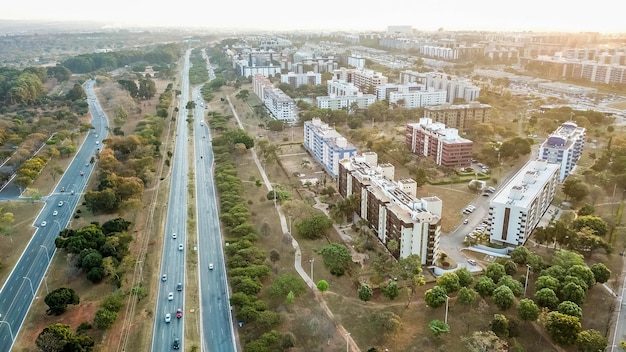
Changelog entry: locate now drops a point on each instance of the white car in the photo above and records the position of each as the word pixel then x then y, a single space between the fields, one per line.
pixel 168 317
pixel 471 261
pixel 60 203
pixel 170 296
pixel 174 235
pixel 164 277
pixel 55 213
pixel 44 223
pixel 211 266
pixel 180 247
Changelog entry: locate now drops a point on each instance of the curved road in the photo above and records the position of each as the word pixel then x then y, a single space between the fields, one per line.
pixel 22 285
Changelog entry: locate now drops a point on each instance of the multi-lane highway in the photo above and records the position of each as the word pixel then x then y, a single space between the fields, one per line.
pixel 217 327
pixel 20 289
pixel 174 236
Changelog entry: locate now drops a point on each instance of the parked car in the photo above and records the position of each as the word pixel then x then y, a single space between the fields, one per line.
pixel 471 261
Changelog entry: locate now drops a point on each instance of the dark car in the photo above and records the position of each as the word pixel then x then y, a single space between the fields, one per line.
pixel 179 287
pixel 176 344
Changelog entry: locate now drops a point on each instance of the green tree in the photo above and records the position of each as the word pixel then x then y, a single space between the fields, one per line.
pixel 484 341
pixel 285 283
pixel 387 322
pixel 527 310
pixel 57 300
pixel 520 255
pixel 104 318
pixel 584 273
pixel 485 286
pixel 365 292
pixel 515 286
pixel 59 337
pixel 323 285
pixel 449 281
pixel 547 281
pixel 314 227
pixel 510 267
pixel 500 325
pixel 337 258
pixel 563 328
pixel 391 291
pixel 467 296
pixel 600 272
pixel 591 341
pixel 546 298
pixel 495 271
pixel 570 308
pixel 465 277
pixel 575 189
pixel 435 297
pixel 595 223
pixel 573 292
pixel 503 297
pixel 438 327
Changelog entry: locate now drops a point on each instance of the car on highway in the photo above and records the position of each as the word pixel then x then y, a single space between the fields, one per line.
pixel 97 142
pixel 179 313
pixel 174 235
pixel 211 266
pixel 62 189
pixel 176 344
pixel 180 247
pixel 60 203
pixel 168 317
pixel 465 222
pixel 164 277
pixel 44 223
pixel 170 296
pixel 179 287
pixel 82 173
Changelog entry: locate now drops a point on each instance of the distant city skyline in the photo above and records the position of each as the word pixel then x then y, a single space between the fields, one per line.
pixel 490 15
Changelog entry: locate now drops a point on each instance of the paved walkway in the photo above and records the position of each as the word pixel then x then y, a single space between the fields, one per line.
pixel 298 254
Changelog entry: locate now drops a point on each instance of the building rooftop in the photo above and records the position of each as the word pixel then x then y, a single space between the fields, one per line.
pixel 522 188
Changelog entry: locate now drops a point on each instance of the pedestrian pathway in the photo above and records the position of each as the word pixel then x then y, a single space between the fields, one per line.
pixel 298 254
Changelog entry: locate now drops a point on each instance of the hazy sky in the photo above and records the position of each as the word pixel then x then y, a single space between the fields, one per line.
pixel 535 15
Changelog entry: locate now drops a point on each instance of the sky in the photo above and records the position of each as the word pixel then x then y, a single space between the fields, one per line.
pixel 496 15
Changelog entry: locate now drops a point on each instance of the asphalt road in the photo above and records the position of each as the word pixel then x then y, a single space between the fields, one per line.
pixel 216 320
pixel 173 258
pixel 22 285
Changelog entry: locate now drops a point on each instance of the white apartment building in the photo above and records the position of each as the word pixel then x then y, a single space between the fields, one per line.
pixel 298 79
pixel 340 88
pixel 333 102
pixel 280 106
pixel 356 61
pixel 515 210
pixel 364 79
pixel 418 99
pixel 455 87
pixel 326 145
pixel 564 147
pixel 392 208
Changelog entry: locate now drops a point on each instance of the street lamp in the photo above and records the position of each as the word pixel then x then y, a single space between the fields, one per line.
pixel 9 325
pixel 347 342
pixel 445 319
pixel 526 282
pixel 46 248
pixel 31 284
pixel 312 260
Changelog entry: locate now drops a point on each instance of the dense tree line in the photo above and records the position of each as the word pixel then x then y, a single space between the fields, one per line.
pixel 21 87
pixel 161 55
pixel 245 262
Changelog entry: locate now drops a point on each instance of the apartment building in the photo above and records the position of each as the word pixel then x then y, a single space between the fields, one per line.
pixel 443 145
pixel 295 80
pixel 391 208
pixel 455 87
pixel 326 145
pixel 344 95
pixel 364 79
pixel 459 116
pixel 564 147
pixel 280 106
pixel 515 210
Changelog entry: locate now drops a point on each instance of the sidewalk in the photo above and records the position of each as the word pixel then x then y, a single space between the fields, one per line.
pixel 298 254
